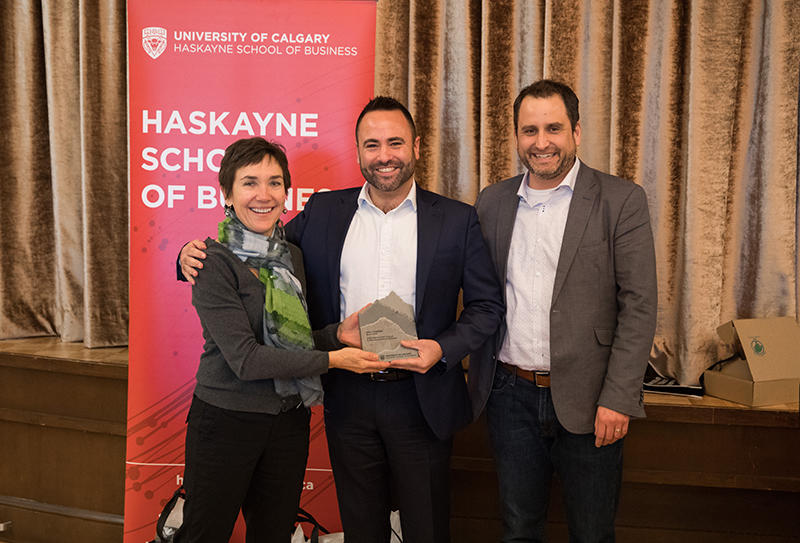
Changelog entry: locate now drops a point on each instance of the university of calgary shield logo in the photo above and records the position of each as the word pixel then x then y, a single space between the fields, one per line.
pixel 154 40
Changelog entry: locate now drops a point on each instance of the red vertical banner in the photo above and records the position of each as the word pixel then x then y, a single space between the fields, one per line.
pixel 202 74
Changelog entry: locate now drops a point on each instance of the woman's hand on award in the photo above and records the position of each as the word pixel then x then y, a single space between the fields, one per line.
pixel 355 360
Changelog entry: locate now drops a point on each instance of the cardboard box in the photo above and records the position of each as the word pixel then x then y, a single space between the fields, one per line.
pixel 766 367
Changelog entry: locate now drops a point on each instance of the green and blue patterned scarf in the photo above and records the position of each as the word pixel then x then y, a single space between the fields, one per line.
pixel 286 324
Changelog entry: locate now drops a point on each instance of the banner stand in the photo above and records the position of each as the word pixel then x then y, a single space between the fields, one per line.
pixel 202 74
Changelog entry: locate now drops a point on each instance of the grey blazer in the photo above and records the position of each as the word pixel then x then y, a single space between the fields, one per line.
pixel 603 313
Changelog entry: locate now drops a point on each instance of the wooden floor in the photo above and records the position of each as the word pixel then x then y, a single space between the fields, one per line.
pixel 696 470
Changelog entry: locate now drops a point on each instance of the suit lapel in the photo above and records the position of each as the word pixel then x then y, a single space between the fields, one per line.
pixel 579 209
pixel 429 227
pixel 338 225
pixel 506 215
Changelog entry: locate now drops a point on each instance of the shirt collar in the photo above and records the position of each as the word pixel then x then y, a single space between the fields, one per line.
pixel 525 192
pixel 411 198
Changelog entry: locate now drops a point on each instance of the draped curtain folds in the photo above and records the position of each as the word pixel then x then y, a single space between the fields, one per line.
pixel 27 265
pixel 696 101
pixel 64 239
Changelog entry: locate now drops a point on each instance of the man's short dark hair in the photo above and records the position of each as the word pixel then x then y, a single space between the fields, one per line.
pixel 248 151
pixel 387 103
pixel 545 88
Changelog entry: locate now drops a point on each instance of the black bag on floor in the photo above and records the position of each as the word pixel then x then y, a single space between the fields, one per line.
pixel 170 519
pixel 305 516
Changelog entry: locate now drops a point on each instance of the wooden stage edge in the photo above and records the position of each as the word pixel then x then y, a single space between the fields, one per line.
pixel 44 352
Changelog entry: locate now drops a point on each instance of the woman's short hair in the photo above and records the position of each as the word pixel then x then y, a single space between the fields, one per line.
pixel 248 151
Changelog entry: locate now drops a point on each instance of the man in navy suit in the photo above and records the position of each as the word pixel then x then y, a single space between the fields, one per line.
pixel 390 433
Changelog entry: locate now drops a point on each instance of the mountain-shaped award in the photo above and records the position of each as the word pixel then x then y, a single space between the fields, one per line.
pixel 384 324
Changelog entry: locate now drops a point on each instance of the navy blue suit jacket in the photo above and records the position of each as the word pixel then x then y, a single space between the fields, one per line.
pixel 451 257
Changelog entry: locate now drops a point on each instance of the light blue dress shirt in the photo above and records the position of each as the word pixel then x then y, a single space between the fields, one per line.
pixel 532 262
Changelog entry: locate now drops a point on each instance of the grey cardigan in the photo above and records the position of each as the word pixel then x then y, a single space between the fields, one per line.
pixel 236 368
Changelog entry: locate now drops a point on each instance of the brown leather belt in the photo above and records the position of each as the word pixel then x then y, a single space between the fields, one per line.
pixel 389 375
pixel 538 378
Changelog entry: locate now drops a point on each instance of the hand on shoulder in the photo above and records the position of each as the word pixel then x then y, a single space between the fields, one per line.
pixel 191 256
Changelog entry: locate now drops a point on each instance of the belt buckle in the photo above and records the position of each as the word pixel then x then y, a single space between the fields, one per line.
pixel 541 379
pixel 387 375
pixel 380 376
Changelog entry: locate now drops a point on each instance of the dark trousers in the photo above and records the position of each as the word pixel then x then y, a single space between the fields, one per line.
pixel 529 445
pixel 384 456
pixel 249 461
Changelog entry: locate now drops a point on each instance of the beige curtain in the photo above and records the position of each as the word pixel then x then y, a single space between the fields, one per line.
pixel 697 101
pixel 64 196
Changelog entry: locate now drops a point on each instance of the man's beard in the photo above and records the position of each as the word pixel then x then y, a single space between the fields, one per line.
pixel 402 175
pixel 563 166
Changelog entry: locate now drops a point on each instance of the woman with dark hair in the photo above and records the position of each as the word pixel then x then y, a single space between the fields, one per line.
pixel 248 425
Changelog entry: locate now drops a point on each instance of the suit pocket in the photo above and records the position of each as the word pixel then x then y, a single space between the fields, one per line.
pixel 604 336
pixel 502 379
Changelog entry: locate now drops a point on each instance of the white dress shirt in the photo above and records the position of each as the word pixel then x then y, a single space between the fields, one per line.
pixel 532 262
pixel 379 254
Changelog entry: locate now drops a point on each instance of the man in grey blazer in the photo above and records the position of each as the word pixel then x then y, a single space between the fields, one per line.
pixel 574 249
